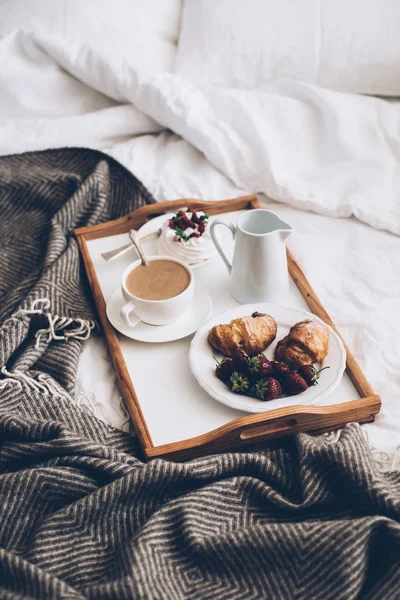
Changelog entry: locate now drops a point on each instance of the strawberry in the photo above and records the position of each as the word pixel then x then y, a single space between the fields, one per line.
pixel 195 218
pixel 310 374
pixel 189 222
pixel 260 366
pixel 293 383
pixel 239 383
pixel 279 369
pixel 241 362
pixel 182 221
pixel 267 388
pixel 224 369
pixel 182 224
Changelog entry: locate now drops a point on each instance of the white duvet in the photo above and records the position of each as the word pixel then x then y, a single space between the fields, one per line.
pixel 323 155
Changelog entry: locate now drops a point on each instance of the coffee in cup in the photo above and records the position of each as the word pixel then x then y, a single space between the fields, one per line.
pixel 159 280
pixel 158 293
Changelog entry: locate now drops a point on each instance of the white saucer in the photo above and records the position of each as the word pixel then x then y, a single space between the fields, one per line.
pixel 188 323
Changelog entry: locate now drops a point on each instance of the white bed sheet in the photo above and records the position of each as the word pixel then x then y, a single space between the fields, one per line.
pixel 309 149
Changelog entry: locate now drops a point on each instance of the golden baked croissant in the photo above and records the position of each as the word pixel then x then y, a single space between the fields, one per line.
pixel 252 334
pixel 307 342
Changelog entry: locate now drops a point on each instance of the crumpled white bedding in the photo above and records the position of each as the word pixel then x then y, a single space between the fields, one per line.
pixel 308 148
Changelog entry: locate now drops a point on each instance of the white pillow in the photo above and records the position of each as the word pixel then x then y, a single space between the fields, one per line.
pixel 144 32
pixel 347 45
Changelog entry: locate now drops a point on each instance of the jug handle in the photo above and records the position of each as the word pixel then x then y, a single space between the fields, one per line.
pixel 214 238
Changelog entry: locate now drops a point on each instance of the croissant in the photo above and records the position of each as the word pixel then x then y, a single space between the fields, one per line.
pixel 251 334
pixel 306 343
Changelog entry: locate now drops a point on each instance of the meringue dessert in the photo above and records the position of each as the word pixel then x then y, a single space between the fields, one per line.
pixel 186 236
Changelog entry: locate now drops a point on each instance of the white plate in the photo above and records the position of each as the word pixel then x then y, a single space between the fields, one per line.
pixel 202 363
pixel 156 223
pixel 187 324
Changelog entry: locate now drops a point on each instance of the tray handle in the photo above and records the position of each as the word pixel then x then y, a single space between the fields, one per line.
pixel 142 215
pixel 257 430
pixel 146 213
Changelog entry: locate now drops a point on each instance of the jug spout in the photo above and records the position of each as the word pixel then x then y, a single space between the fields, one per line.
pixel 285 233
pixel 280 227
pixel 284 230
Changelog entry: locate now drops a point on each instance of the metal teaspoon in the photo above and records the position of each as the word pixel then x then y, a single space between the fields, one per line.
pixel 133 234
pixel 117 252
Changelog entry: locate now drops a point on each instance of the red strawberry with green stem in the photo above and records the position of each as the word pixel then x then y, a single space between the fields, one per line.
pixel 310 374
pixel 239 383
pixel 293 383
pixel 267 388
pixel 224 369
pixel 279 370
pixel 260 366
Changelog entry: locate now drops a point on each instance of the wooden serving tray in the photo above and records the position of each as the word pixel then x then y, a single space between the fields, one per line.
pixel 169 419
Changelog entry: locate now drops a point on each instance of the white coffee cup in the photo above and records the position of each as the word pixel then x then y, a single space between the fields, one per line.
pixel 155 312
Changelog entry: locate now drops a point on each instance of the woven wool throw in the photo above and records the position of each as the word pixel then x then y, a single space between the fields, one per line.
pixel 81 514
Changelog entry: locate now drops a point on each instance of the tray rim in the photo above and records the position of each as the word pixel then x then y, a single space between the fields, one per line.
pixel 250 431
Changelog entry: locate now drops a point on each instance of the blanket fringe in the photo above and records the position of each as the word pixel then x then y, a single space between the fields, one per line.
pixel 385 461
pixel 35 308
pixel 89 402
pixel 57 324
pixel 57 330
pixel 43 383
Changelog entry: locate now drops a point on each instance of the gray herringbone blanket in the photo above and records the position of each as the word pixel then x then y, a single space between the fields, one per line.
pixel 82 516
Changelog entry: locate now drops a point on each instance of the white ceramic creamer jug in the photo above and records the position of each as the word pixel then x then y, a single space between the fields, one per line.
pixel 259 270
